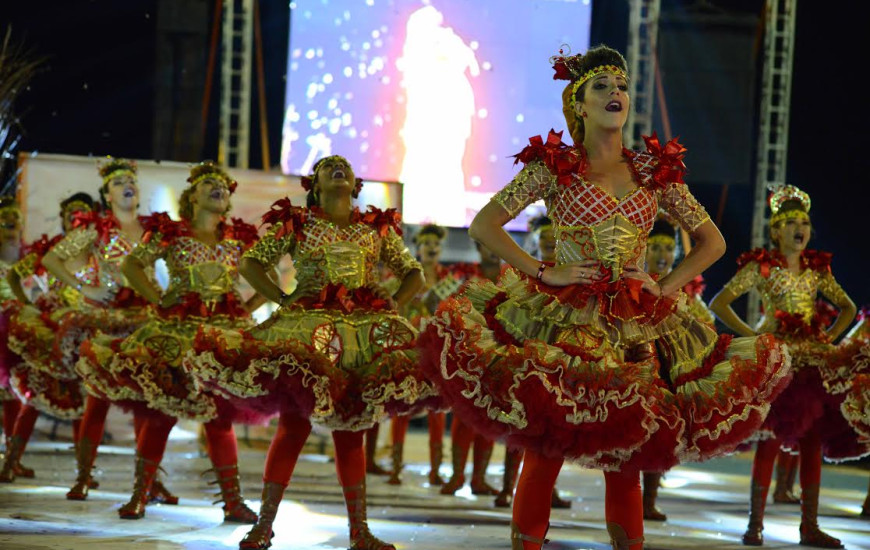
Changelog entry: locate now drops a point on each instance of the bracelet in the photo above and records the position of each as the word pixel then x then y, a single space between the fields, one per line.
pixel 541 268
pixel 283 297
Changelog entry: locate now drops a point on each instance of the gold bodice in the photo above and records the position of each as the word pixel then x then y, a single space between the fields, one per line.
pixel 327 253
pixel 195 267
pixel 105 255
pixel 5 289
pixel 787 291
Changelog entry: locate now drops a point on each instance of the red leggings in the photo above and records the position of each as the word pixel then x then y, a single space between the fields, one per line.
pixel 27 416
pixel 219 433
pixel 437 421
pixel 293 430
pixel 810 460
pixel 94 420
pixel 622 501
pixel 10 415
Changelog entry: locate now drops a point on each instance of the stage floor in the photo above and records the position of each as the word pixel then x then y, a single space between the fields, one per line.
pixel 706 504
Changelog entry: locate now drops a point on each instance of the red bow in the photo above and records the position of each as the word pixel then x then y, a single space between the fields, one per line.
pixel 794 325
pixel 102 223
pixel 562 160
pixel 695 287
pixel 192 305
pixel 380 220
pixel 290 218
pixel 337 296
pixel 239 230
pixel 161 224
pixel 671 167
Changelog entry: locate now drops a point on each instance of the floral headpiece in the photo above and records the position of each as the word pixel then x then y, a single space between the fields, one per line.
pixel 111 168
pixel 207 169
pixel 780 194
pixel 570 67
pixel 308 181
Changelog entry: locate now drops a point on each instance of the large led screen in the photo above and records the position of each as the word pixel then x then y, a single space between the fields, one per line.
pixel 434 94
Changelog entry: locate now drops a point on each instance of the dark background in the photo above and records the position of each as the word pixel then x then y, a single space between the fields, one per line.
pixel 127 79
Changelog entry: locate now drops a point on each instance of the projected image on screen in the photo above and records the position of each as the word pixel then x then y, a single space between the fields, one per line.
pixel 435 94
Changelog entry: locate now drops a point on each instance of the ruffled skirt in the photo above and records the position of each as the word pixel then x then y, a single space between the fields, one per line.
pixel 604 375
pixel 343 369
pixel 64 399
pixel 143 371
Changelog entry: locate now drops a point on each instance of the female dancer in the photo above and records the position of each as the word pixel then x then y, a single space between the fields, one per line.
pixel 10 253
pixel 561 362
pixel 43 383
pixel 856 406
pixel 202 253
pixel 109 305
pixel 441 282
pixel 805 415
pixel 335 352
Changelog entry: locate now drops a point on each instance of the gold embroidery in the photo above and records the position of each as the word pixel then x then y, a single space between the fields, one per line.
pixel 679 202
pixel 269 249
pixel 534 182
pixel 75 242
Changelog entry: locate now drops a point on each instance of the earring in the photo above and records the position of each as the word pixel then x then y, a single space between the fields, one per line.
pixel 583 114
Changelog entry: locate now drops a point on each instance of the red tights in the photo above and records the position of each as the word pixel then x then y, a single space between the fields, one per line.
pixel 437 421
pixel 94 420
pixel 622 502
pixel 810 460
pixel 623 505
pixel 462 436
pixel 24 423
pixel 293 430
pixel 10 415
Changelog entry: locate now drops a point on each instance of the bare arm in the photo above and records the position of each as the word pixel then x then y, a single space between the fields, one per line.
pixel 14 280
pixel 57 267
pixel 721 307
pixel 411 284
pixel 260 280
pixel 486 228
pixel 844 319
pixel 709 247
pixel 134 270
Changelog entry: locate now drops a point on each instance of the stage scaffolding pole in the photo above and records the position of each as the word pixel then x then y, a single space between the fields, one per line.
pixel 643 28
pixel 772 153
pixel 235 111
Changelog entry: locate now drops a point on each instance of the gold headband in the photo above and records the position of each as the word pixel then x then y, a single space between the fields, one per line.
pixel 10 209
pixel 593 72
pixel 80 205
pixel 788 215
pixel 118 174
pixel 662 239
pixel 217 176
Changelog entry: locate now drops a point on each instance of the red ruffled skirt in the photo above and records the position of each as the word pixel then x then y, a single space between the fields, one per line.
pixel 341 359
pixel 143 371
pixel 604 375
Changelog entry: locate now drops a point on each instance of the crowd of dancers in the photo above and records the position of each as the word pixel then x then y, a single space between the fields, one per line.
pixel 596 350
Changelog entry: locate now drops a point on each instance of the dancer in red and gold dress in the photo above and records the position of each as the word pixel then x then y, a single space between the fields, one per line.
pixel 856 404
pixel 104 239
pixel 10 253
pixel 202 252
pixel 336 352
pixel 561 361
pixel 42 380
pixel 806 416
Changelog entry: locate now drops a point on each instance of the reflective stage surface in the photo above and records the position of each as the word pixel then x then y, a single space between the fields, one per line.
pixel 706 504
